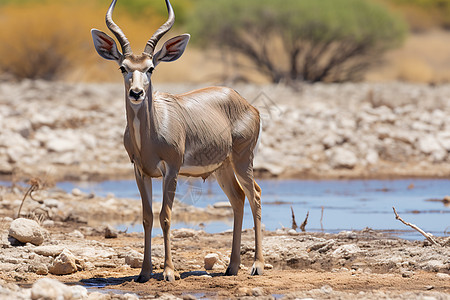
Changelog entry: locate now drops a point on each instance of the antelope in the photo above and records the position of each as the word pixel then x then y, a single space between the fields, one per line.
pixel 208 131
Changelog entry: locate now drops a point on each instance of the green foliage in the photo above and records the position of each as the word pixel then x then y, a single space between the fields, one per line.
pixel 326 40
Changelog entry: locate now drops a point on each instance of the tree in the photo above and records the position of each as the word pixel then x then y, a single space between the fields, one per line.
pixel 311 40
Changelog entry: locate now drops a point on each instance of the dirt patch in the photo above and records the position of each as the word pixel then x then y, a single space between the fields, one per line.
pixel 352 264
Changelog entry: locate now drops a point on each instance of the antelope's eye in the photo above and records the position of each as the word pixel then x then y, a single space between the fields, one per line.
pixel 150 70
pixel 123 70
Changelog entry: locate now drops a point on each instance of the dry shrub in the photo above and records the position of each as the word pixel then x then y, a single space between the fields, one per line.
pixel 52 40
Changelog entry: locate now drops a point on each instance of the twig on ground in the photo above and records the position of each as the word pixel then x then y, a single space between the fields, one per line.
pixel 34 185
pixel 294 224
pixel 428 236
pixel 302 227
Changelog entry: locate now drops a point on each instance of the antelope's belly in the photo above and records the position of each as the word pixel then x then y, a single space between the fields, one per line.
pixel 198 170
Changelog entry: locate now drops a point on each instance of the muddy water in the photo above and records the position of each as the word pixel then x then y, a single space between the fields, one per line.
pixel 347 205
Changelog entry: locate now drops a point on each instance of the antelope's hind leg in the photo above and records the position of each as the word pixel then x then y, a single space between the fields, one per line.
pixel 144 184
pixel 227 181
pixel 243 167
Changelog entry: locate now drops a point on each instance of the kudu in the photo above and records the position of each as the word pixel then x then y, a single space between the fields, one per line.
pixel 206 131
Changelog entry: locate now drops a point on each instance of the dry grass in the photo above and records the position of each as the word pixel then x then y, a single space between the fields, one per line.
pixel 55 41
pixel 424 58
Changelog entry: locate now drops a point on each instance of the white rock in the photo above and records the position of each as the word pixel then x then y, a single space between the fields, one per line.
pixel 339 157
pixel 77 192
pixel 64 264
pixel 346 251
pixel 331 140
pixel 429 144
pixel 48 223
pixel 134 259
pixel 444 139
pixel 292 232
pixel 62 145
pixel 49 250
pixel 111 232
pixel 47 288
pixel 210 260
pixel 89 140
pixel 184 233
pixel 52 203
pixel 76 234
pixel 443 276
pixel 27 231
pixel 372 157
pixel 223 204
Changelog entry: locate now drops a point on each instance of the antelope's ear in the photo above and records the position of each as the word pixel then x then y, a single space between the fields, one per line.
pixel 172 49
pixel 106 47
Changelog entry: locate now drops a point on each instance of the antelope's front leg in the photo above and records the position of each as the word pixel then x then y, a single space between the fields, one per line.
pixel 169 187
pixel 144 184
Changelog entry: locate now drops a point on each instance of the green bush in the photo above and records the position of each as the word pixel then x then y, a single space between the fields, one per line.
pixel 326 40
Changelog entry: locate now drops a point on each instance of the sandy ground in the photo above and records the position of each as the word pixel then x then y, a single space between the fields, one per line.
pixel 289 281
pixel 350 265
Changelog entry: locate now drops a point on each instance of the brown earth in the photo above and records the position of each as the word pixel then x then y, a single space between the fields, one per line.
pixel 283 280
pixel 350 265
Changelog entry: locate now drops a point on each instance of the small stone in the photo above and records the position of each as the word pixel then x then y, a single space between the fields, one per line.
pixel 292 232
pixel 64 264
pixel 184 233
pixel 76 234
pixel 49 250
pixel 326 289
pixel 340 157
pixel 52 203
pixel 210 260
pixel 407 273
pixel 429 287
pixel 77 192
pixel 27 231
pixel 111 232
pixel 347 235
pixel 38 268
pixel 134 259
pixel 223 204
pixel 243 291
pixel 257 292
pixel 98 296
pixel 47 288
pixel 268 267
pixel 443 276
pixel 346 251
pixel 48 223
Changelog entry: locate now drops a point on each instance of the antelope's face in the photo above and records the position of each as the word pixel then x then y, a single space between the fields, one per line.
pixel 137 69
pixel 136 72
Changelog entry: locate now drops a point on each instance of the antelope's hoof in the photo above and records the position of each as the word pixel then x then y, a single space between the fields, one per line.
pixel 170 275
pixel 257 268
pixel 143 278
pixel 231 271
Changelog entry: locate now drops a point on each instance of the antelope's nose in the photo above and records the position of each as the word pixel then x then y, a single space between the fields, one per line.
pixel 136 93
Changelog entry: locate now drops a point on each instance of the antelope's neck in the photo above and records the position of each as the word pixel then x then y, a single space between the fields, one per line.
pixel 140 119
